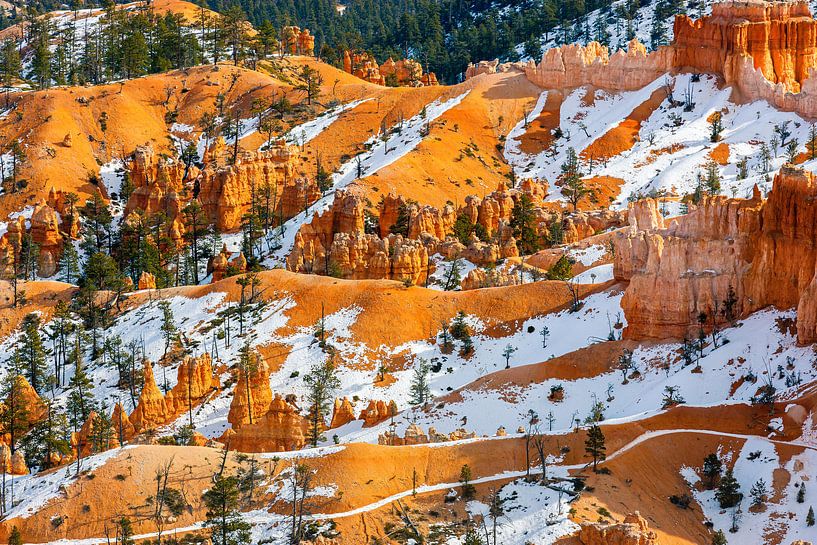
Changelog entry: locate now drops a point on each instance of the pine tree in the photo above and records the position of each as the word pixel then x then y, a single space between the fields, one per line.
pixel 594 445
pixel 15 418
pixel 801 493
pixel 573 186
pixel 810 517
pixel 32 353
pixel 170 332
pixel 719 538
pixel 48 438
pixel 420 391
pixel 523 222
pixel 728 493
pixel 15 538
pixel 322 383
pixel 712 469
pixel 102 433
pixel 80 395
pixel 758 493
pixel 69 263
pixel 223 515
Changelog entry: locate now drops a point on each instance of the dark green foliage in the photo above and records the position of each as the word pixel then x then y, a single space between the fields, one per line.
pixel 561 270
pixel 223 516
pixel 32 353
pixel 728 493
pixel 523 222
pixel 712 469
pixel 594 445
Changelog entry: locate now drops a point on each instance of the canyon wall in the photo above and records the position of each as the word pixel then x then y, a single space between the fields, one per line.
pixel 338 242
pixel 764 251
pixel 766 50
pixel 224 190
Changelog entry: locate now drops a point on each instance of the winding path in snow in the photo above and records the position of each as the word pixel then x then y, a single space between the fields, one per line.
pixel 263 517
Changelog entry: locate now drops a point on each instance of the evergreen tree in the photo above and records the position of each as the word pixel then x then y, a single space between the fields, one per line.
pixel 420 390
pixel 102 432
pixel 223 515
pixel 15 538
pixel 69 263
pixel 594 445
pixel 32 353
pixel 81 400
pixel 523 222
pixel 170 332
pixel 48 438
pixel 322 383
pixel 573 186
pixel 15 418
pixel 758 493
pixel 728 493
pixel 810 517
pixel 712 469
pixel 719 538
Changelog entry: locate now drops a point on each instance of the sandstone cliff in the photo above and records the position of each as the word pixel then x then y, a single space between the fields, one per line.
pixel 224 191
pixel 766 50
pixel 280 428
pixel 762 250
pixel 337 243
pixel 633 531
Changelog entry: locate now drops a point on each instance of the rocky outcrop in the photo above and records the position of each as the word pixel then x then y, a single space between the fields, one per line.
pixel 224 191
pixel 377 411
pixel 633 531
pixel 147 281
pixel 403 72
pixel 194 382
pixel 762 250
pixel 221 266
pixel 415 436
pixel 336 243
pixel 766 50
pixel 297 41
pixel 342 414
pixel 152 409
pixel 93 437
pixel 12 464
pixel 252 394
pixel 123 428
pixel 576 65
pixel 281 428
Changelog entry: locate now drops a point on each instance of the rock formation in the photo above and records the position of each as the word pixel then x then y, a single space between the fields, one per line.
pixel 151 410
pixel 763 250
pixel 414 436
pixel 12 464
pixel 377 411
pixel 280 428
pixel 194 381
pixel 766 50
pixel 633 531
pixel 404 72
pixel 224 190
pixel 93 438
pixel 343 413
pixel 121 423
pixel 336 242
pixel 147 281
pixel 297 41
pixel 252 394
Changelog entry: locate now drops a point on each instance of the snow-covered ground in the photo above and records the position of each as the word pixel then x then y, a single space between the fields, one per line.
pixel 782 519
pixel 382 151
pixel 673 146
